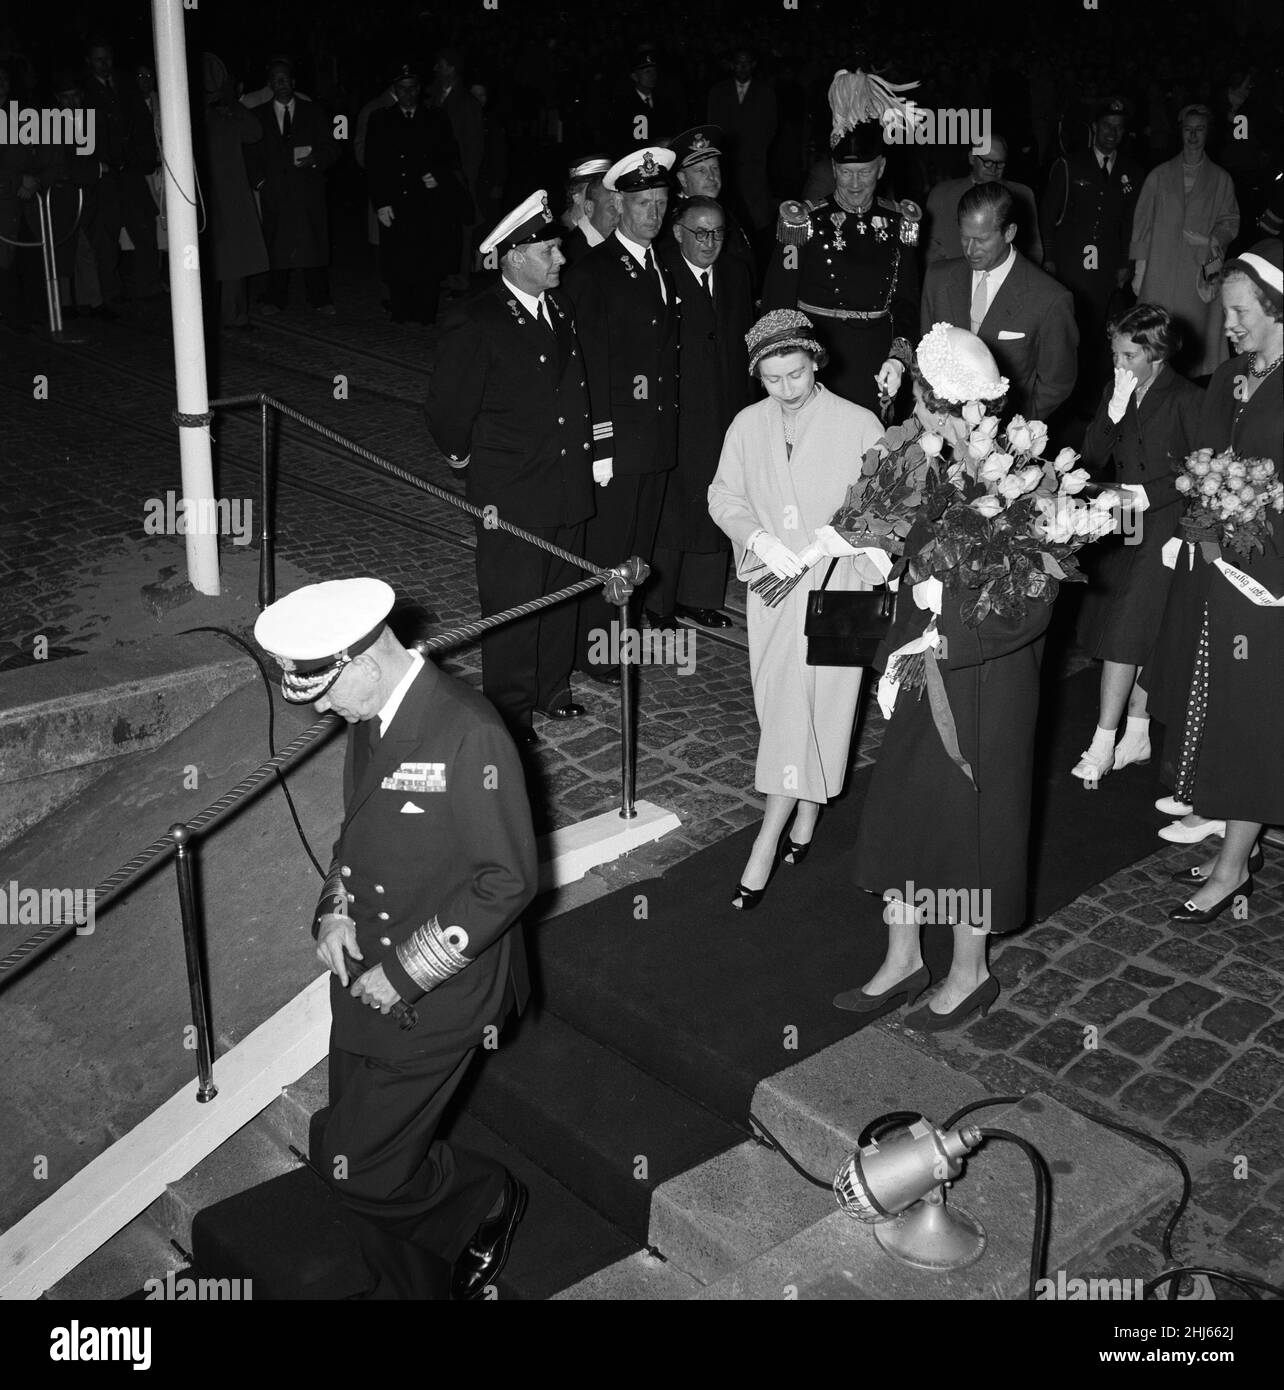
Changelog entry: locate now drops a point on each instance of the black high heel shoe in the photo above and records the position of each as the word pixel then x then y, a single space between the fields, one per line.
pixel 925 1021
pixel 795 853
pixel 1188 912
pixel 856 1001
pixel 746 899
pixel 1195 878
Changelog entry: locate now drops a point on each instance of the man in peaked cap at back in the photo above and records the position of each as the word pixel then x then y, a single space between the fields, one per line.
pixel 591 214
pixel 698 171
pixel 626 314
pixel 646 111
pixel 509 400
pixel 434 863
pixel 848 262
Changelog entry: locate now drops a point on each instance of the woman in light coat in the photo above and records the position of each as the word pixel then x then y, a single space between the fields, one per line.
pixel 785 468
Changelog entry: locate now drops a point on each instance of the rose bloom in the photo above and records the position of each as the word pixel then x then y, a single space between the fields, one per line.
pixel 989 505
pixel 1019 437
pixel 1236 469
pixel 1065 460
pixel 995 467
pixel 979 446
pixel 1056 520
pixel 1182 483
pixel 1247 494
pixel 1038 437
pixel 973 412
pixel 1074 481
pixel 989 427
pixel 1199 468
pixel 1011 487
pixel 1210 486
pixel 931 444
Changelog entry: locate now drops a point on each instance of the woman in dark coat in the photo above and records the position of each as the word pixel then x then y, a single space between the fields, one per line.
pixel 927 824
pixel 1143 429
pixel 1222 704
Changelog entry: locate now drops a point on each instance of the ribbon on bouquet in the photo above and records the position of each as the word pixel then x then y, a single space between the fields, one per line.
pixel 942 716
pixel 1245 583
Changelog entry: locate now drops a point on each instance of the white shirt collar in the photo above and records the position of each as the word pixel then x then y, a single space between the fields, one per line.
pixel 531 302
pixel 591 233
pixel 281 105
pixel 996 276
pixel 388 712
pixel 635 249
pixel 698 271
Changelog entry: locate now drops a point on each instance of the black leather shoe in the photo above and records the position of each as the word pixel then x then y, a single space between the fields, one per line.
pixel 925 1021
pixel 487 1252
pixel 706 617
pixel 570 710
pixel 524 736
pixel 856 1001
pixel 1194 877
pixel 1188 912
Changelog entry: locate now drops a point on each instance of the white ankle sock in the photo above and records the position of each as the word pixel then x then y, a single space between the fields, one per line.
pixel 1137 729
pixel 1103 742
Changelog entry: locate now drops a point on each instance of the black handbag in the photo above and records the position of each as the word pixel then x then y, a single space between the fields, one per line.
pixel 845 626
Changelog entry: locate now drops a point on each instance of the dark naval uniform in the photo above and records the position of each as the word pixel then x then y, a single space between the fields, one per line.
pixel 513 395
pixel 422 244
pixel 629 335
pixel 1087 227
pixel 856 277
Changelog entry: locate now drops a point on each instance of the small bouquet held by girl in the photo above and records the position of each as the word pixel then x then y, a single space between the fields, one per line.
pixel 1227 501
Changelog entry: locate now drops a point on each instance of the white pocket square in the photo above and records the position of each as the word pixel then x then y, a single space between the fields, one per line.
pixel 1006 334
pixel 411 809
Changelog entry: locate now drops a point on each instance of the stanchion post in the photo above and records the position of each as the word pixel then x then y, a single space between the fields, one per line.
pixel 44 205
pixel 206 1089
pixel 267 553
pixel 628 768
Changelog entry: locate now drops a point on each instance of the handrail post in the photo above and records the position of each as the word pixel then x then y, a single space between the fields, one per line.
pixel 206 1089
pixel 267 554
pixel 48 252
pixel 618 589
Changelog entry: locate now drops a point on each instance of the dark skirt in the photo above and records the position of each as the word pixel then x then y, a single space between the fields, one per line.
pixel 1129 584
pixel 924 824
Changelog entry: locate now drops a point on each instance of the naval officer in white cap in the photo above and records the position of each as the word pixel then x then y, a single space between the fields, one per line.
pixel 509 396
pixel 434 863
pixel 626 313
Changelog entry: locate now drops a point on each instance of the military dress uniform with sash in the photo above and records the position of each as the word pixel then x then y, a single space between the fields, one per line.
pixel 856 277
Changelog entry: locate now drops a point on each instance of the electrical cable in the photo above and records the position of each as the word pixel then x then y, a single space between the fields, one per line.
pixel 1042 1204
pixel 770 1141
pixel 280 776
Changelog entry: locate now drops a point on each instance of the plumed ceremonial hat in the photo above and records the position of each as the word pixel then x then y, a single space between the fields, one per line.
pixel 645 168
pixel 530 221
pixel 316 631
pixel 867 111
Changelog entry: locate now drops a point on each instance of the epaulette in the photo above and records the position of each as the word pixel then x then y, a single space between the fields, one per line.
pixel 793 226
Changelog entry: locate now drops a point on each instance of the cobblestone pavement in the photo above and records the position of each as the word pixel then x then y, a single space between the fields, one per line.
pixel 1176 1030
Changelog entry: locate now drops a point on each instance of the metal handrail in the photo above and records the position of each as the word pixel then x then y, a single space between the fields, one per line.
pixel 618 584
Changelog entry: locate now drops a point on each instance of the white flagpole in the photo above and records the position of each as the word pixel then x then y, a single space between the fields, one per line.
pixel 185 291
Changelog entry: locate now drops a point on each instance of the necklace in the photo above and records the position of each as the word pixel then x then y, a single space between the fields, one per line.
pixel 1267 369
pixel 790 419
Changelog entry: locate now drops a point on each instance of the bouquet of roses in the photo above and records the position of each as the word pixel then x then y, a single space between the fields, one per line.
pixel 1228 499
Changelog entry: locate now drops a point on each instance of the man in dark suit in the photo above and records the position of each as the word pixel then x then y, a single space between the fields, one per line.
pixel 1087 214
pixel 698 171
pixel 509 400
pixel 125 143
pixel 288 169
pixel 626 314
pixel 716 300
pixel 468 124
pixel 646 111
pixel 597 216
pixel 433 865
pixel 745 108
pixel 418 196
pixel 1023 316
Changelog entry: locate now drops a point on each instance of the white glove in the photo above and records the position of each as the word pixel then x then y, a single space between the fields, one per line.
pixel 429 181
pixel 1134 496
pixel 603 471
pixel 459 463
pixel 1138 275
pixel 831 543
pixel 927 594
pixel 889 378
pixel 385 216
pixel 1125 385
pixel 776 555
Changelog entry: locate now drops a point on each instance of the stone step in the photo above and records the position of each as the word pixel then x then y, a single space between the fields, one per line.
pixel 638 1278
pixel 123 1265
pixel 1103 1185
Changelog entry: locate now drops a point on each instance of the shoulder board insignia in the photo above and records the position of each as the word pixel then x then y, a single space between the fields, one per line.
pixel 887 205
pixel 793 226
pixel 911 218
